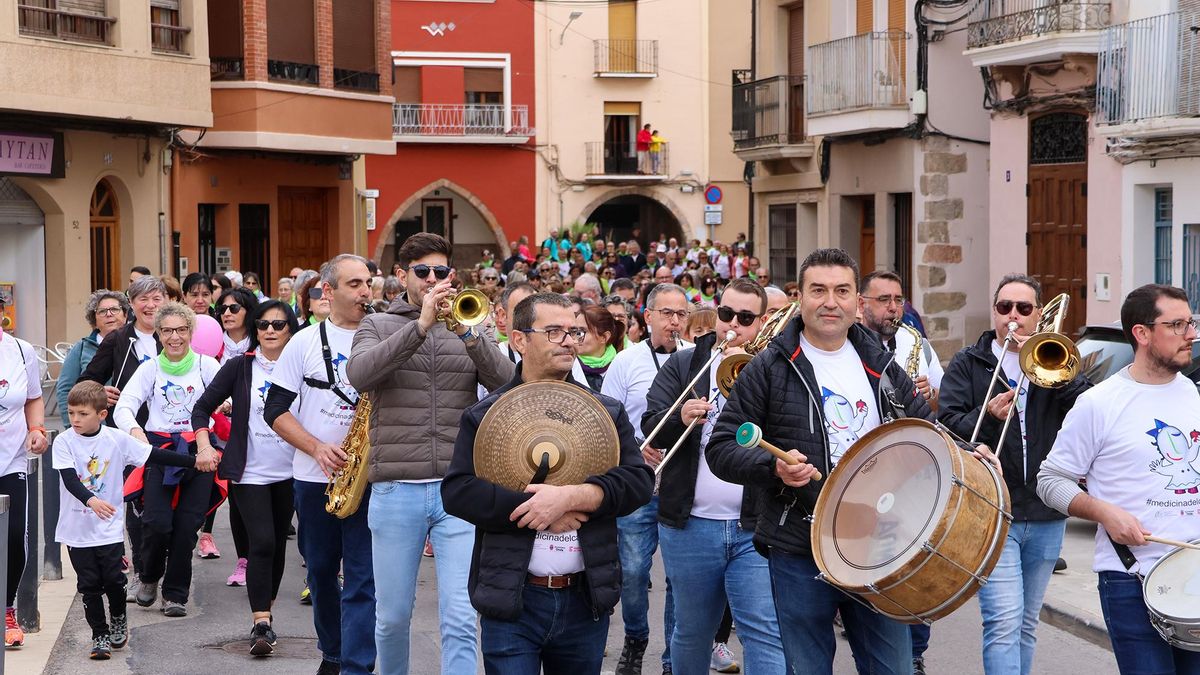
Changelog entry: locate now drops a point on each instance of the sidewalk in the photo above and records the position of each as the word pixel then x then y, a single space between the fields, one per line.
pixel 1072 601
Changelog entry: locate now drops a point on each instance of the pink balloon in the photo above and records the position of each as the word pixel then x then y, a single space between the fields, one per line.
pixel 206 339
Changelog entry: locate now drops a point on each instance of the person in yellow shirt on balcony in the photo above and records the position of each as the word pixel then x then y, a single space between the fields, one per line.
pixel 656 152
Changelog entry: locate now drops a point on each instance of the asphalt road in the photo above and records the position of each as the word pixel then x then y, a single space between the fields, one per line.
pixel 211 640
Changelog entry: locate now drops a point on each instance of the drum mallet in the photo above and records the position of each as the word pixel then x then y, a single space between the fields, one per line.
pixel 749 435
pixel 1170 542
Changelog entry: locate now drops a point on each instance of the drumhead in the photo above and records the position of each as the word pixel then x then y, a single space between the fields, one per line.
pixel 1172 588
pixel 885 499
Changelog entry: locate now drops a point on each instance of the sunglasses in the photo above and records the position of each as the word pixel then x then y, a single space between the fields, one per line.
pixel 1023 308
pixel 277 324
pixel 316 293
pixel 422 271
pixel 744 317
pixel 232 308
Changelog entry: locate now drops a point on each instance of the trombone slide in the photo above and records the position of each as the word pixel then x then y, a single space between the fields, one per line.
pixel 717 351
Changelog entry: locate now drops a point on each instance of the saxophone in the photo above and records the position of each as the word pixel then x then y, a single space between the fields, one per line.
pixel 346 487
pixel 913 364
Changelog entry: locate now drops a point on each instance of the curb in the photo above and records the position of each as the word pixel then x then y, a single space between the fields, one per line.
pixel 1079 624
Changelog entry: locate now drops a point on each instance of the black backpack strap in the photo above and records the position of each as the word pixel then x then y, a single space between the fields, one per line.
pixel 890 397
pixel 327 355
pixel 1128 559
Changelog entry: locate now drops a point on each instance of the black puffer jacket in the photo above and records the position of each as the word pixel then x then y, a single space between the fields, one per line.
pixel 502 550
pixel 677 487
pixel 963 388
pixel 779 392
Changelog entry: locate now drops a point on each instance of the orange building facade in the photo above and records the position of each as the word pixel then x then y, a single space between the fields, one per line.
pixel 299 98
pixel 463 81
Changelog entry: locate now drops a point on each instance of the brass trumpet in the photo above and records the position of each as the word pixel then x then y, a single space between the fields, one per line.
pixel 468 307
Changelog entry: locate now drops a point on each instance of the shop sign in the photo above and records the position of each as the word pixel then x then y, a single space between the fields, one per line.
pixel 31 154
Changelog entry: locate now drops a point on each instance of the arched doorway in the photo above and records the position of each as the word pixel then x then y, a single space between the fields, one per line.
pixel 105 217
pixel 619 216
pixel 448 210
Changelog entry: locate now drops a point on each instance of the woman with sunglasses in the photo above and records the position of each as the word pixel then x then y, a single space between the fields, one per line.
pixel 315 303
pixel 256 461
pixel 603 339
pixel 175 499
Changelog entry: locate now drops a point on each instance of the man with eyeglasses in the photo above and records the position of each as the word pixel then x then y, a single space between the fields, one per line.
pixel 545 574
pixel 1012 599
pixel 1132 438
pixel 505 305
pixel 881 303
pixel 705 524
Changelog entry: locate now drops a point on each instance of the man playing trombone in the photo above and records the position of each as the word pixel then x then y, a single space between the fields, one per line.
pixel 705 524
pixel 1012 599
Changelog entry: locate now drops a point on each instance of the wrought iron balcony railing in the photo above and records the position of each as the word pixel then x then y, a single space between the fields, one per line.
pixel 308 73
pixel 606 158
pixel 857 72
pixel 226 68
pixel 1149 68
pixel 626 58
pixel 460 120
pixel 995 22
pixel 768 112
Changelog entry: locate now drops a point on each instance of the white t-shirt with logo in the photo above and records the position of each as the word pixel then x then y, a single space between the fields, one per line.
pixel 714 499
pixel 145 348
pixel 1011 365
pixel 555 554
pixel 1138 446
pixel 321 412
pixel 848 403
pixel 99 461
pixel 269 458
pixel 629 377
pixel 20 381
pixel 169 398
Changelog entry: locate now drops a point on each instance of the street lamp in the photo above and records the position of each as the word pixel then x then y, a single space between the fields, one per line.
pixel 570 19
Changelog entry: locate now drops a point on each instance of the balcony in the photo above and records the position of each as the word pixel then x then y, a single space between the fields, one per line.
pixel 611 162
pixel 857 84
pixel 470 123
pixel 1018 32
pixel 626 58
pixel 286 71
pixel 64 24
pixel 1148 78
pixel 768 119
pixel 167 38
pixel 226 68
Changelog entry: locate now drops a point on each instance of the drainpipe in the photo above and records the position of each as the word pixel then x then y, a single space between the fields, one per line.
pixel 750 233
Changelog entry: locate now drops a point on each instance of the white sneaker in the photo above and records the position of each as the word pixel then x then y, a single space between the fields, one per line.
pixel 722 659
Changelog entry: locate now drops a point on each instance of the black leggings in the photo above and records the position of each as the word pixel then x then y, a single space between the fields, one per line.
pixel 235 525
pixel 726 626
pixel 13 485
pixel 265 512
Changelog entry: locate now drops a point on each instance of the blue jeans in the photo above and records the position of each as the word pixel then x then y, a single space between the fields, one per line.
pixel 1139 649
pixel 557 630
pixel 637 537
pixel 1011 600
pixel 716 562
pixel 920 639
pixel 330 544
pixel 805 607
pixel 401 516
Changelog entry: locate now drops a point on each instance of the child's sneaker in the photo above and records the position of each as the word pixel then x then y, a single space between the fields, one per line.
pixel 101 650
pixel 118 631
pixel 207 548
pixel 238 578
pixel 13 635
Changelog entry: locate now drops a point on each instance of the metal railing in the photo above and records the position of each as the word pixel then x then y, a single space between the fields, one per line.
pixel 768 112
pixel 1149 69
pixel 307 73
pixel 168 38
pixel 459 119
pixel 996 22
pixel 226 68
pixel 64 24
pixel 605 158
pixel 357 80
pixel 626 57
pixel 861 71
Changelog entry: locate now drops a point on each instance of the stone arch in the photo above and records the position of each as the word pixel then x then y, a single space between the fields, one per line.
pixel 648 193
pixel 488 217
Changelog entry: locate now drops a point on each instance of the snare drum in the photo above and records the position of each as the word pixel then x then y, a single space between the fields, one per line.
pixel 909 522
pixel 1172 593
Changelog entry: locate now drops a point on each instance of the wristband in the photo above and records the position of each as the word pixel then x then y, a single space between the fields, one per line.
pixel 468 336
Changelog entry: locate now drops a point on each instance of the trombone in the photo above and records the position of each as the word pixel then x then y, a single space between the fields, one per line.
pixel 729 335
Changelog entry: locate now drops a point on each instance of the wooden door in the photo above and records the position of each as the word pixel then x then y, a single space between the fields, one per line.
pixel 105 217
pixel 866 236
pixel 1057 237
pixel 303 228
pixel 622 36
pixel 254 239
pixel 437 216
pixel 795 83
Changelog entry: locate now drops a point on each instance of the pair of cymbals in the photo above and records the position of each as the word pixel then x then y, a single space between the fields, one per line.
pixel 558 421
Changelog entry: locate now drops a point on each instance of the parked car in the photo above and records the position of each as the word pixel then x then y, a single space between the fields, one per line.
pixel 1104 351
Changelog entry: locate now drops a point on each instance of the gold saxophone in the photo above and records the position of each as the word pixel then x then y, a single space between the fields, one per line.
pixel 346 487
pixel 913 365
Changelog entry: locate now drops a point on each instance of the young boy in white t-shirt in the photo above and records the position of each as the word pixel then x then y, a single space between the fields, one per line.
pixel 91 459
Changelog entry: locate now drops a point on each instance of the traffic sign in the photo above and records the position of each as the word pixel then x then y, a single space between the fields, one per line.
pixel 713 194
pixel 714 208
pixel 712 217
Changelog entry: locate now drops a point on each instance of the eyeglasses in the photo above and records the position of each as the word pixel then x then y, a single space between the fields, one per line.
pixel 744 317
pixel 1178 326
pixel 232 308
pixel 422 271
pixel 168 332
pixel 109 311
pixel 668 314
pixel 897 300
pixel 277 324
pixel 558 335
pixel 1006 306
pixel 490 278
pixel 316 293
pixel 793 294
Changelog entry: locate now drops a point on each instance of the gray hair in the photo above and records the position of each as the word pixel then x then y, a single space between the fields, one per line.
pixel 176 309
pixel 303 278
pixel 517 278
pixel 525 313
pixel 329 269
pixel 288 280
pixel 146 284
pixel 391 285
pixel 590 283
pixel 100 296
pixel 661 289
pixel 235 278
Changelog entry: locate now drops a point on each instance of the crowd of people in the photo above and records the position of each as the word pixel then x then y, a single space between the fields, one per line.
pixel 186 395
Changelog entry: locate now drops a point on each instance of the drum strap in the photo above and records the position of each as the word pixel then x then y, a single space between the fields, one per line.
pixel 889 395
pixel 1128 559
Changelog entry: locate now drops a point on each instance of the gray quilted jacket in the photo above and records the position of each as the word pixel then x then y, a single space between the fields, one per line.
pixel 419 386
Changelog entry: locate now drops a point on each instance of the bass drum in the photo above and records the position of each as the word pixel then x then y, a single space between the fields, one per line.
pixel 1172 593
pixel 909 522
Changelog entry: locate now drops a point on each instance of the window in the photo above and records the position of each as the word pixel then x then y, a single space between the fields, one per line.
pixel 903 239
pixel 74 20
pixel 781 223
pixel 291 43
pixel 354 45
pixel 1191 264
pixel 225 39
pixel 166 32
pixel 1163 204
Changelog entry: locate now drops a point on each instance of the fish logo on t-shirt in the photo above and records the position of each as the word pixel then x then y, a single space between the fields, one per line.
pixel 94 473
pixel 339 374
pixel 843 420
pixel 1177 453
pixel 262 391
pixel 3 391
pixel 179 401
